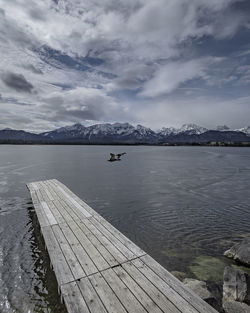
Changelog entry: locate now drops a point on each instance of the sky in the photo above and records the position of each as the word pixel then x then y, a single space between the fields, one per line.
pixel 158 63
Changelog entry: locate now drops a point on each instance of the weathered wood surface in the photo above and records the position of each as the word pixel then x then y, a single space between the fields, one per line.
pixel 98 269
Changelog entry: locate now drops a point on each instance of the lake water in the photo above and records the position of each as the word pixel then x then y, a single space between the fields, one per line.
pixel 183 205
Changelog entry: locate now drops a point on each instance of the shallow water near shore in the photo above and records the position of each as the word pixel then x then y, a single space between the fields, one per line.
pixel 183 205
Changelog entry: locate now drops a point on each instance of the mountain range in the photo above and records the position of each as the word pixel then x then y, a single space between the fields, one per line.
pixel 125 133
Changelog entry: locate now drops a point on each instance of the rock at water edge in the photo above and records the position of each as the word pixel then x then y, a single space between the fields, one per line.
pixel 240 252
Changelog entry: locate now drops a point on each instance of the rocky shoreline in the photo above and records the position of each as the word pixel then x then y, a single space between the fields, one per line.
pixel 236 287
pixel 236 282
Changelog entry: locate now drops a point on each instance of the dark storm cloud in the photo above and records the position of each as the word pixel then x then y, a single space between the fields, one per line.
pixel 17 82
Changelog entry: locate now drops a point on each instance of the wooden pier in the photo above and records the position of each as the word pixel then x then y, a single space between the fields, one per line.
pixel 97 268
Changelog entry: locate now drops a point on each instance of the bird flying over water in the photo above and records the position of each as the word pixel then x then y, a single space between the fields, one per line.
pixel 113 158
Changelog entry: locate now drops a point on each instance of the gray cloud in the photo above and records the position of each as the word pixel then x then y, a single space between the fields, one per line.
pixel 128 83
pixel 107 59
pixel 170 76
pixel 17 82
pixel 13 35
pixel 82 104
pixel 37 14
pixel 33 69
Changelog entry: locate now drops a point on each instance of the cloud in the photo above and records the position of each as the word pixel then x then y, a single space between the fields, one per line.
pixel 17 82
pixel 105 59
pixel 13 34
pixel 132 77
pixel 208 111
pixel 33 69
pixel 170 76
pixel 82 104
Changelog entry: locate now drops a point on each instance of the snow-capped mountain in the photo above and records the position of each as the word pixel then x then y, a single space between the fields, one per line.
pixel 111 129
pixel 117 132
pixel 68 131
pixel 166 131
pixel 245 130
pixel 143 131
pixel 125 133
pixel 191 129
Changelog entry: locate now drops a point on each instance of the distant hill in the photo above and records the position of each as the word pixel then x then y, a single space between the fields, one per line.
pixel 208 136
pixel 125 133
pixel 8 135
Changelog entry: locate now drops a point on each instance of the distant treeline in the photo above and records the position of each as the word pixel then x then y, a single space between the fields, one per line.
pixel 79 142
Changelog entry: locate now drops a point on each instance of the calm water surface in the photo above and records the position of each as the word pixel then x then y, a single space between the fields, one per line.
pixel 183 205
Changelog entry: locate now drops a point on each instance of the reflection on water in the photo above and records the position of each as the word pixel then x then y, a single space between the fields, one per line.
pixel 183 205
pixel 27 282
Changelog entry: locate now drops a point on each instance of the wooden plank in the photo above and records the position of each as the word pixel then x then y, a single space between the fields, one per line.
pixel 85 260
pixel 73 299
pixel 39 195
pixel 62 211
pixel 96 243
pixel 185 292
pixel 125 241
pixel 106 294
pixel 69 209
pixel 74 202
pixel 68 205
pixel 44 193
pixel 51 191
pixel 93 253
pixel 48 213
pixel 90 296
pixel 138 292
pixel 126 297
pixel 80 201
pixel 118 244
pixel 42 218
pixel 34 197
pixel 34 186
pixel 48 192
pixel 60 265
pixel 58 216
pixel 54 189
pixel 183 305
pixel 152 291
pixel 106 243
pixel 69 255
pixel 78 214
